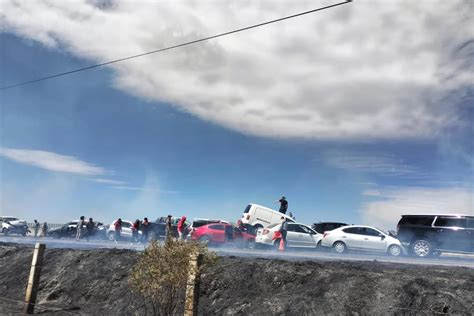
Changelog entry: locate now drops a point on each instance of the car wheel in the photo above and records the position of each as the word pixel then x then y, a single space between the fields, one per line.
pixel 339 247
pixel 111 236
pixel 395 250
pixel 421 248
pixel 255 228
pixel 205 239
pixel 318 245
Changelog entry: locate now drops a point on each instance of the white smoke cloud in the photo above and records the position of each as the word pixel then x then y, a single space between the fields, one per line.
pixel 365 70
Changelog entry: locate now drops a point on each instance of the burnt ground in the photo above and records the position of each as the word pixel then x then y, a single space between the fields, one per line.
pixel 95 282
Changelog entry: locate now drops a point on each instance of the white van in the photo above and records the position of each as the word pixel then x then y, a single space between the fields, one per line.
pixel 260 216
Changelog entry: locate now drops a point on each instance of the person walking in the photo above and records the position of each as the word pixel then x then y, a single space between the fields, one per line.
pixel 44 232
pixel 168 227
pixel 36 228
pixel 145 227
pixel 135 228
pixel 283 231
pixel 80 228
pixel 90 228
pixel 283 205
pixel 117 229
pixel 182 228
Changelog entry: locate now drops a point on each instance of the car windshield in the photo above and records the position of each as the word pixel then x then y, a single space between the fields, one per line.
pixel 8 219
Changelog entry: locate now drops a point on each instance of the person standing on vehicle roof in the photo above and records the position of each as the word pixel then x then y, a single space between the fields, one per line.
pixel 36 227
pixel 80 228
pixel 182 228
pixel 168 228
pixel 89 229
pixel 117 229
pixel 283 205
pixel 145 227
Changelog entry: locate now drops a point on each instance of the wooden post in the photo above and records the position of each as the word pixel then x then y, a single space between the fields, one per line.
pixel 192 285
pixel 33 280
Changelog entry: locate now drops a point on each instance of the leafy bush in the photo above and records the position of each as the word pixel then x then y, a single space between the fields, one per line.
pixel 161 272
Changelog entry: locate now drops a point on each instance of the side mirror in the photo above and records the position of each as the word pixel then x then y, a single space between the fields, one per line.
pixel 382 236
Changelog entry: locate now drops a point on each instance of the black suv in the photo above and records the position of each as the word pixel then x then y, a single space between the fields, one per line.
pixel 322 227
pixel 429 235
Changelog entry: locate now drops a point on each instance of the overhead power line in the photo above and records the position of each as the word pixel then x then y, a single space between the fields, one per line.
pixel 173 47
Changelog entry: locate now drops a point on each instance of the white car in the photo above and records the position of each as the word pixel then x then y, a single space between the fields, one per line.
pixel 258 216
pixel 365 238
pixel 13 225
pixel 126 231
pixel 297 236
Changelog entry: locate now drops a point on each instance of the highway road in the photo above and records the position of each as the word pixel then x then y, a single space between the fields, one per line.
pixel 458 260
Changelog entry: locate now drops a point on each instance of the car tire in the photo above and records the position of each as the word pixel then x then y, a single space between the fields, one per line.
pixel 111 236
pixel 339 247
pixel 255 228
pixel 421 248
pixel 395 250
pixel 205 239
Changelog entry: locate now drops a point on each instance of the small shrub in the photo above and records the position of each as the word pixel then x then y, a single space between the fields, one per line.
pixel 160 275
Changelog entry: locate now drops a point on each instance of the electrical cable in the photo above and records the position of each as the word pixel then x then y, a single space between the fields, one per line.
pixel 173 47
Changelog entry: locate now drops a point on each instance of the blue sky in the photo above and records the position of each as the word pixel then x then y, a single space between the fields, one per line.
pixel 105 143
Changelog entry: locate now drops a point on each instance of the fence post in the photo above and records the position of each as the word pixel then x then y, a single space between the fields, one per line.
pixel 33 280
pixel 192 285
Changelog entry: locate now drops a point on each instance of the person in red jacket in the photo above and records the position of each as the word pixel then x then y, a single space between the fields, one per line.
pixel 135 227
pixel 182 228
pixel 117 229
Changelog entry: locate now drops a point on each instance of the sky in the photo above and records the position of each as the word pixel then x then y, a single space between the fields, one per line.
pixel 358 113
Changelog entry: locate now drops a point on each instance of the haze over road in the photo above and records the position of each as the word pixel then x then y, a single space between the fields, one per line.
pixel 457 260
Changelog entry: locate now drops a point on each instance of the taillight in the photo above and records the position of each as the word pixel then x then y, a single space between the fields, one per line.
pixel 248 217
pixel 265 231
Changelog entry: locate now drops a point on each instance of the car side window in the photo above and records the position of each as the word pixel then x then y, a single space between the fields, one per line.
pixel 470 222
pixel 216 227
pixel 369 232
pixel 352 230
pixel 303 229
pixel 126 225
pixel 291 228
pixel 445 221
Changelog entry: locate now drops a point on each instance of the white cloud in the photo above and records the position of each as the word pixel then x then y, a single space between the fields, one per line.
pixel 108 181
pixel 52 161
pixel 366 70
pixel 390 204
pixel 372 163
pixel 144 189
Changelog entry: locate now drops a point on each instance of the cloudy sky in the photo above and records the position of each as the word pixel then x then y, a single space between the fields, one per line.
pixel 357 113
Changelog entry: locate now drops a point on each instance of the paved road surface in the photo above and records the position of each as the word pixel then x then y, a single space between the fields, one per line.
pixel 459 260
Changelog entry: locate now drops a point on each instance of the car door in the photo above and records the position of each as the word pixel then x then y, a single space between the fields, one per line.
pixel 470 233
pixel 126 229
pixel 304 235
pixel 372 240
pixel 451 233
pixel 351 237
pixel 217 232
pixel 293 239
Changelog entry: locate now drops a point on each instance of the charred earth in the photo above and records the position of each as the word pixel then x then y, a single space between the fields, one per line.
pixel 95 282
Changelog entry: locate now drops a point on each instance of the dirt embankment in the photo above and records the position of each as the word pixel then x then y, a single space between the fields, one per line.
pixel 95 282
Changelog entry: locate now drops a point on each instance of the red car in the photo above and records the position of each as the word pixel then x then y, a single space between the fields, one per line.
pixel 221 233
